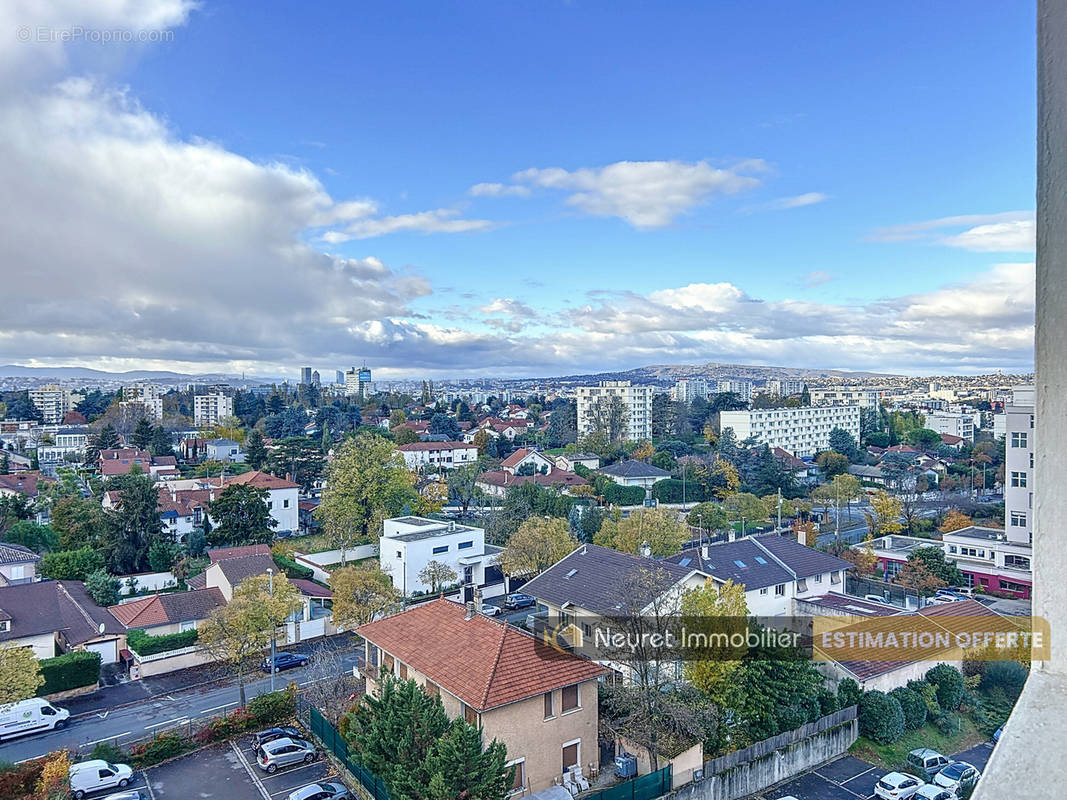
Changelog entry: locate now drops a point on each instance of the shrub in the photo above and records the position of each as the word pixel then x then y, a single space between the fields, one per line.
pixel 881 718
pixel 1009 676
pixel 828 702
pixel 624 495
pixel 195 543
pixel 811 707
pixel 146 645
pixel 71 565
pixel 109 752
pixel 159 748
pixel 292 569
pixel 102 587
pixel 69 671
pixel 791 717
pixel 20 780
pixel 949 684
pixel 928 693
pixel 273 707
pixel 848 693
pixel 913 706
pixel 947 724
pixel 54 782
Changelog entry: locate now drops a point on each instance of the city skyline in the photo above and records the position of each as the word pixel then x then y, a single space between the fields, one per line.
pixel 852 194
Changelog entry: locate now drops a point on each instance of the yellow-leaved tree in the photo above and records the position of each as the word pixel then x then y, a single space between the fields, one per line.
pixel 20 674
pixel 714 608
pixel 884 517
pixel 954 521
pixel 361 595
pixel 537 545
pixel 657 526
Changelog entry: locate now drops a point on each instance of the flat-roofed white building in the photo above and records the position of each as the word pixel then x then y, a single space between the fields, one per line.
pixel 1019 465
pixel 210 409
pixel 636 399
pixel 53 401
pixel 846 396
pixel 800 431
pixel 954 424
pixel 408 544
pixel 443 455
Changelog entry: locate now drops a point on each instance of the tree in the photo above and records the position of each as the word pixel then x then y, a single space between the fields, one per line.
pixel 933 558
pixel 241 516
pixel 107 438
pixel 954 521
pixel 657 526
pixel 142 434
pixel 298 457
pixel 811 535
pixel 20 673
pixel 609 417
pixel 950 686
pixel 161 444
pixel 913 706
pixel 103 587
pixel 442 424
pixel 438 575
pixel 162 555
pixel 881 719
pixel 864 559
pixel 405 435
pixel 916 575
pixel 644 451
pixel 537 545
pixel 923 438
pixel 361 595
pixel 709 516
pixel 832 464
pixel 747 506
pixel 328 682
pixel 884 516
pixel 131 528
pixel 255 450
pixel 71 565
pixel 366 481
pixel 38 538
pixel 462 484
pixel 714 676
pixel 721 479
pixel 841 441
pixel 240 630
pixel 847 489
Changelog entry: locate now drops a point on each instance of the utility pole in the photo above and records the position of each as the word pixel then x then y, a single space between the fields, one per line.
pixel 779 528
pixel 273 669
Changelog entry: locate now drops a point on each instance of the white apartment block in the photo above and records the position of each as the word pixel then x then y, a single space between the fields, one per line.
pixel 784 387
pixel 409 543
pixel 954 424
pixel 443 455
pixel 1019 466
pixel 742 389
pixel 636 399
pixel 846 396
pixel 210 409
pixel 53 401
pixel 801 431
pixel 146 398
pixel 687 390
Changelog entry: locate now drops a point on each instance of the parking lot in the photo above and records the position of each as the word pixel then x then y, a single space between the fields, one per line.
pixel 849 778
pixel 226 771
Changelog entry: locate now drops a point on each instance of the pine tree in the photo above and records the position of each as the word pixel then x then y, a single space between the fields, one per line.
pixel 142 434
pixel 255 450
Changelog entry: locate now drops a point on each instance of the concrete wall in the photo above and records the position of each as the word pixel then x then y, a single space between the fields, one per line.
pixel 150 581
pixel 774 760
pixel 318 562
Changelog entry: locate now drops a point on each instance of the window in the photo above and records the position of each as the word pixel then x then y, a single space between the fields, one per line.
pixel 18 572
pixel 802 585
pixel 570 698
pixel 431 689
pixel 550 706
pixel 1018 480
pixel 570 755
pixel 1012 586
pixel 387 662
pixel 285 504
pixel 399 554
pixel 403 668
pixel 270 505
pixel 1018 439
pixel 465 545
pixel 1018 519
pixel 763 590
pixel 188 625
pixel 1019 562
pixel 779 590
pixel 442 549
pixel 518 783
pixel 818 578
pixel 5 625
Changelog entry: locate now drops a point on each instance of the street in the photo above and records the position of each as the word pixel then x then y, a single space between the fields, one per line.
pixel 180 708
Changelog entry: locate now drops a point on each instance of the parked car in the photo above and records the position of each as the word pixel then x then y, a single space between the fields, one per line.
pixel 96 775
pixel 927 761
pixel 996 734
pixel 876 598
pixel 27 716
pixel 958 776
pixel 897 786
pixel 321 791
pixel 285 661
pixel 270 734
pixel 134 794
pixel 284 752
pixel 513 602
pixel 490 611
pixel 931 791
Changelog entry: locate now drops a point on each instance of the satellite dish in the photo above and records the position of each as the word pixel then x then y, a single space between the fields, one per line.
pixel 102 627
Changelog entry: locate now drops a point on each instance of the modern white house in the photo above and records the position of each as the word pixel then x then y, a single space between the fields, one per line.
pixel 409 543
pixel 954 424
pixel 800 431
pixel 443 455
pixel 224 450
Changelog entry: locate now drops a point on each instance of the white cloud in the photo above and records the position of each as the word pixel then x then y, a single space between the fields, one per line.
pixel 498 190
pixel 441 220
pixel 647 194
pixel 1009 231
pixel 798 201
pixel 816 278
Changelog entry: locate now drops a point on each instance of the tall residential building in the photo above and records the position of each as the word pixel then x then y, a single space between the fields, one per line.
pixel 316 378
pixel 784 387
pixel 687 390
pixel 53 401
pixel 742 389
pixel 961 425
pixel 358 382
pixel 209 409
pixel 305 375
pixel 800 431
pixel 147 398
pixel 846 396
pixel 636 399
pixel 1019 466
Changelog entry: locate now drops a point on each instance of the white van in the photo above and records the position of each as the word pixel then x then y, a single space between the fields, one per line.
pixel 27 716
pixel 97 774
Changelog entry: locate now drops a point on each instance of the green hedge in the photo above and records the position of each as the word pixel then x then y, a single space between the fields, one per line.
pixel 292 569
pixel 624 495
pixel 69 671
pixel 146 645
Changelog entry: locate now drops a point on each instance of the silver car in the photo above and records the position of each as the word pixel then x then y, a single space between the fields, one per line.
pixel 283 752
pixel 958 776
pixel 321 791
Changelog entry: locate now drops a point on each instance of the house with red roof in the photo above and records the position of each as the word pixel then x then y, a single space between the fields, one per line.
pixel 541 703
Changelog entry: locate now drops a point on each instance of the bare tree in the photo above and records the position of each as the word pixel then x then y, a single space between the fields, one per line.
pixel 330 687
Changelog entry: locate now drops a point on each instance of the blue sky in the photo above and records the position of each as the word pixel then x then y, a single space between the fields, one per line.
pixel 822 184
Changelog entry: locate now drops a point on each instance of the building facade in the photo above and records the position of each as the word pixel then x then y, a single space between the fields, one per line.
pixel 409 544
pixel 1019 466
pixel 636 399
pixel 742 389
pixel 687 390
pixel 53 401
pixel 784 387
pixel 846 396
pixel 961 425
pixel 210 409
pixel 799 431
pixel 443 455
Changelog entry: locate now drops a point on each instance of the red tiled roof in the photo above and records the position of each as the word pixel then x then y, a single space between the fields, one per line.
pixel 262 480
pixel 484 663
pixel 416 446
pixel 160 609
pixel 23 482
pixel 515 458
pixel 556 476
pixel 948 438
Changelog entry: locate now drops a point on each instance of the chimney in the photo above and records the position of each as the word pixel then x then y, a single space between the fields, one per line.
pixel 705 551
pixel 470 610
pixel 802 536
pixel 477 599
pixel 731 536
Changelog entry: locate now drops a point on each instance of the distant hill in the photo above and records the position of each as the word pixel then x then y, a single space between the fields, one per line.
pixel 669 373
pixel 85 373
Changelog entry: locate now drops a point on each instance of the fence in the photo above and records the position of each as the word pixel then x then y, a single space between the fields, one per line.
pixel 898 595
pixel 336 744
pixel 647 787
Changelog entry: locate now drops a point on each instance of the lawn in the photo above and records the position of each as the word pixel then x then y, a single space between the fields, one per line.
pixel 894 756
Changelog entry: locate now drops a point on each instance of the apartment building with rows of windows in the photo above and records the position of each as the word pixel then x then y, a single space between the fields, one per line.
pixel 209 409
pixel 846 396
pixel 799 431
pixel 636 399
pixel 1019 465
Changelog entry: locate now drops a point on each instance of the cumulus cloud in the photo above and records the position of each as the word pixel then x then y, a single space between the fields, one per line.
pixel 647 194
pixel 1009 231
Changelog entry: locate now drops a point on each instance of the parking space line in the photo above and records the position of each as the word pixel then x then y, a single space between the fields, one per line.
pixel 282 773
pixel 148 785
pixel 251 773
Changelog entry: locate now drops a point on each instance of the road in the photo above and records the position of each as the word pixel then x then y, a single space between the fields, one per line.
pixel 179 709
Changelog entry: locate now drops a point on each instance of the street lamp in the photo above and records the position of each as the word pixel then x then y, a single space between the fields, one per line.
pixel 270 578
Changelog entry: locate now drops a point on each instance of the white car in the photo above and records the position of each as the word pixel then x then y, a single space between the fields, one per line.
pixel 897 786
pixel 876 598
pixel 97 774
pixel 931 791
pixel 490 611
pixel 958 774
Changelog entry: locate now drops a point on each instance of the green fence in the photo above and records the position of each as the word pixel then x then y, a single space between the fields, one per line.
pixel 647 787
pixel 330 738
